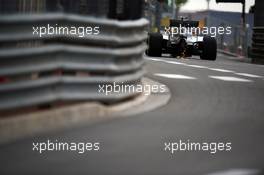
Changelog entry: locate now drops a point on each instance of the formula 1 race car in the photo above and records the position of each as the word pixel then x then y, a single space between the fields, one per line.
pixel 182 44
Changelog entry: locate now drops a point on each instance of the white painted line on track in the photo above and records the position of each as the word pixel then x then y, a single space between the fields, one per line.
pixel 175 76
pixel 237 172
pixel 221 70
pixel 174 62
pixel 224 78
pixel 249 75
pixel 166 61
pixel 197 66
pixel 234 79
pixel 153 59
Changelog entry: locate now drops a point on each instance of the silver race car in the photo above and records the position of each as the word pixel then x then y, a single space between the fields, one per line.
pixel 181 43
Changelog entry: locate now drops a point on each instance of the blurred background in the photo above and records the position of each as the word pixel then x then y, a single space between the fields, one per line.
pixel 211 14
pixel 158 12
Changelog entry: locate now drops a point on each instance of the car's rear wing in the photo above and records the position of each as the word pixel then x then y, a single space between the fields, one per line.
pixel 178 23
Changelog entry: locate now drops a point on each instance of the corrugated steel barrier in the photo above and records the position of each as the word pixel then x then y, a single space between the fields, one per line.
pixel 41 70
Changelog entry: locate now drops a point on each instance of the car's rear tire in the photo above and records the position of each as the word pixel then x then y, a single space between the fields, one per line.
pixel 154 45
pixel 209 48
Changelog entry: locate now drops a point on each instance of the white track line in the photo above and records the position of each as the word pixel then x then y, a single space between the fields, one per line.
pixel 153 59
pixel 174 62
pixel 209 68
pixel 221 70
pixel 166 61
pixel 234 79
pixel 175 76
pixel 237 172
pixel 197 66
pixel 249 75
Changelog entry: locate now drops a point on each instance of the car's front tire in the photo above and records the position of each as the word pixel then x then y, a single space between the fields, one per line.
pixel 154 45
pixel 209 51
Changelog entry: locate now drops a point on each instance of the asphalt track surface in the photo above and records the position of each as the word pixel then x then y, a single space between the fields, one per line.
pixel 212 101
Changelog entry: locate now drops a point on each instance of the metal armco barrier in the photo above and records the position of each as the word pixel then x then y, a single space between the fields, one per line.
pixel 67 68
